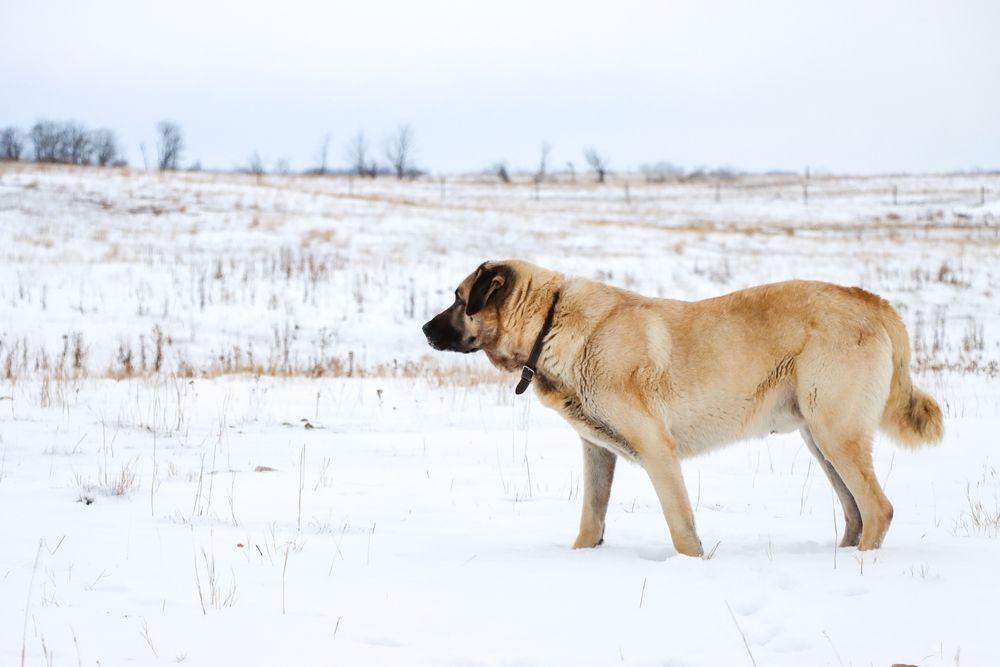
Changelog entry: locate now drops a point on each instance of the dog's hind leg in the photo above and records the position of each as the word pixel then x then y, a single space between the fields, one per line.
pixel 843 384
pixel 598 473
pixel 852 458
pixel 852 515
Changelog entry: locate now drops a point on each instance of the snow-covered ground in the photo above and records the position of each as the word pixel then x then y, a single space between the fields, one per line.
pixel 223 439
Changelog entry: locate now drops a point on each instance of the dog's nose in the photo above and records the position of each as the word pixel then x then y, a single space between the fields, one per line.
pixel 430 334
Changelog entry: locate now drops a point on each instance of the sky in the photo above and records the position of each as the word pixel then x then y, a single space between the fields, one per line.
pixel 839 86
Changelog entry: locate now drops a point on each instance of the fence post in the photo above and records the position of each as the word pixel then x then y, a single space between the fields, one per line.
pixel 805 193
pixel 442 188
pixel 895 193
pixel 350 185
pixel 982 195
pixel 628 197
pixel 718 193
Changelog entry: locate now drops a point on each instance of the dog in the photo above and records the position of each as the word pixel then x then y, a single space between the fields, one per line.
pixel 658 380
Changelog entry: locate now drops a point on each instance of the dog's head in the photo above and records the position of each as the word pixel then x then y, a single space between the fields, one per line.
pixel 471 323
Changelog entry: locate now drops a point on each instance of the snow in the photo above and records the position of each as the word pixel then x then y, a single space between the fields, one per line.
pixel 417 512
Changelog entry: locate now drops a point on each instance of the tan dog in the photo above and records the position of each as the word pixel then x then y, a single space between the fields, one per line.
pixel 656 380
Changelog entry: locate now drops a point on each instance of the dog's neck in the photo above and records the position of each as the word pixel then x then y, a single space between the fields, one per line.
pixel 521 327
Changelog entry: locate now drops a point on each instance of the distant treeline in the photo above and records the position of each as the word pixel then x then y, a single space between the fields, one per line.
pixel 69 142
pixel 61 143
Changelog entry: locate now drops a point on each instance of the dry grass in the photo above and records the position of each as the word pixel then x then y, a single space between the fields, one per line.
pixel 121 482
pixel 215 593
pixel 982 518
pixel 323 262
pixel 155 354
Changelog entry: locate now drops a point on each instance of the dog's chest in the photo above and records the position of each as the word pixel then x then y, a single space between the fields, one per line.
pixel 585 422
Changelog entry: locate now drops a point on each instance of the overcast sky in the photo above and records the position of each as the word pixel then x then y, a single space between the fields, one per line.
pixel 841 85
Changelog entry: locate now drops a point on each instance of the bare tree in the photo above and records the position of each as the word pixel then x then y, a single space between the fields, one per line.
pixel 255 166
pixel 169 146
pixel 67 143
pixel 77 145
pixel 12 144
pixel 597 162
pixel 106 151
pixel 399 151
pixel 544 148
pixel 500 169
pixel 321 155
pixel 357 156
pixel 47 141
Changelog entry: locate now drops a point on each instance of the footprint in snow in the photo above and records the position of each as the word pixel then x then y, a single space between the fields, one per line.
pixel 746 607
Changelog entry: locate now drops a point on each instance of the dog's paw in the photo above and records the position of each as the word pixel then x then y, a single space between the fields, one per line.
pixel 584 541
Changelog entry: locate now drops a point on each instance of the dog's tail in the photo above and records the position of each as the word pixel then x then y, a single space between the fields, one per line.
pixel 911 417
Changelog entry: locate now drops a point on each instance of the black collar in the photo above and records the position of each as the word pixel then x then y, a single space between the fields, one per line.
pixel 528 372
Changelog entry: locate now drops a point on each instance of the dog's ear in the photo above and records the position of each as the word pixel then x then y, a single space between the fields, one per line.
pixel 489 282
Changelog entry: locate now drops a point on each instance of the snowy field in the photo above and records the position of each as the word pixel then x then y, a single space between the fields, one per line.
pixel 223 439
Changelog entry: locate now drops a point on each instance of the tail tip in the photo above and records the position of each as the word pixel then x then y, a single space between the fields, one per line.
pixel 922 423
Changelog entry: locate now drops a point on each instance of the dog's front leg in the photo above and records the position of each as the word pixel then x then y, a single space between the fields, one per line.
pixel 664 469
pixel 598 472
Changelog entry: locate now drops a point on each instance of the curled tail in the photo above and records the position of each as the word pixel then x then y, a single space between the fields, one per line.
pixel 911 417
